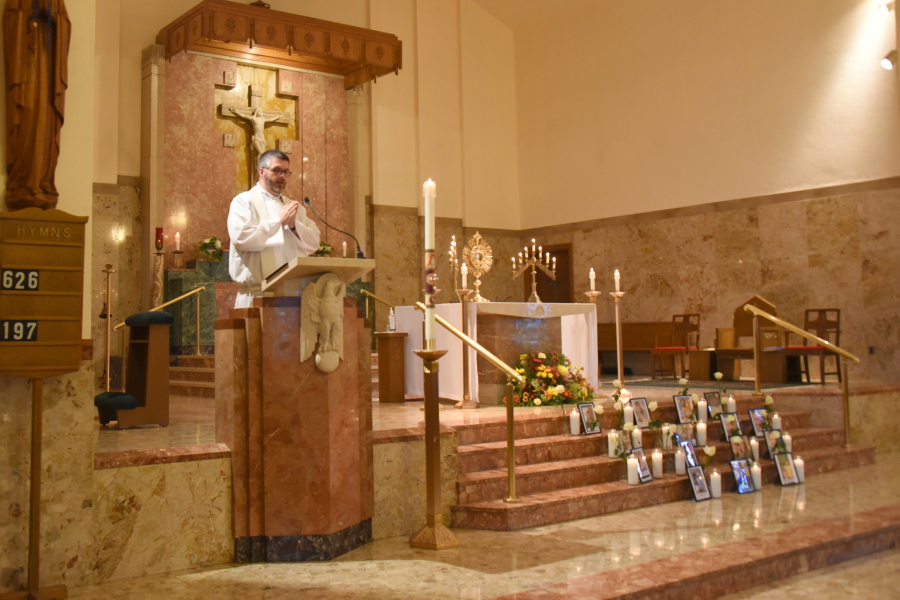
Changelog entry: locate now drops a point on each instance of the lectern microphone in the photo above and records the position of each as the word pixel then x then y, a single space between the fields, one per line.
pixel 359 252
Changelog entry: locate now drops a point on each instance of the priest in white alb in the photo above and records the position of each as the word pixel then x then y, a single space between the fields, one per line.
pixel 267 230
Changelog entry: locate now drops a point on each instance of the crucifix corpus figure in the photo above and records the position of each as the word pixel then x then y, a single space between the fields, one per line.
pixel 259 118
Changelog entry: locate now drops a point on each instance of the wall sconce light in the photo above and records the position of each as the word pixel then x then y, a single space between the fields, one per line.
pixel 886 7
pixel 889 62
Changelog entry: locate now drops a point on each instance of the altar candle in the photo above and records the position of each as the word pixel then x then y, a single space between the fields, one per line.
pixel 731 405
pixel 701 411
pixel 657 464
pixel 616 277
pixel 633 471
pixel 776 421
pixel 679 462
pixel 177 241
pixel 756 475
pixel 754 447
pixel 574 423
pixel 554 263
pixel 628 414
pixel 344 248
pixel 612 442
pixel 429 190
pixel 540 253
pixel 532 246
pixel 526 252
pixel 715 484
pixel 464 271
pixel 800 468
pixel 788 443
pixel 514 264
pixel 637 438
pixel 701 434
pixel 593 277
pixel 520 258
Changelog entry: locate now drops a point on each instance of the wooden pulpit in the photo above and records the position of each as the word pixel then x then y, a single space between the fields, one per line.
pixel 300 436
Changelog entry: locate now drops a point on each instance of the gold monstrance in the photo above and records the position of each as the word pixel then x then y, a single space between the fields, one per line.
pixel 479 257
pixel 534 261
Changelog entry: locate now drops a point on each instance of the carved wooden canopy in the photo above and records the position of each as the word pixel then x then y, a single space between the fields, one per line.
pixel 254 33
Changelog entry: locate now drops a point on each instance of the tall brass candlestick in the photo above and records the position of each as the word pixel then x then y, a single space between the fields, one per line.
pixel 107 314
pixel 466 402
pixel 618 297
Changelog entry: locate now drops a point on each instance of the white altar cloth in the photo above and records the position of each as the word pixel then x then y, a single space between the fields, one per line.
pixel 579 341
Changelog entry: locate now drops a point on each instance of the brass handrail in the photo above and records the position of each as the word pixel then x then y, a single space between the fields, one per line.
pixel 509 371
pixel 165 304
pixel 385 302
pixel 793 328
pixel 845 385
pixel 510 416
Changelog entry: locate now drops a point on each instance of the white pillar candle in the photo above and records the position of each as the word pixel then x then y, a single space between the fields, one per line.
pixel 701 434
pixel 788 442
pixel 657 464
pixel 637 438
pixel 616 277
pixel 429 191
pixel 731 405
pixel 633 478
pixel 612 441
pixel 701 411
pixel 177 241
pixel 756 475
pixel 344 248
pixel 715 484
pixel 574 423
pixel 593 277
pixel 776 421
pixel 754 447
pixel 679 462
pixel 628 413
pixel 464 271
pixel 800 468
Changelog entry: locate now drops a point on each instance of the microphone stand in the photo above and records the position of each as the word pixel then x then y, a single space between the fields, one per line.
pixel 359 252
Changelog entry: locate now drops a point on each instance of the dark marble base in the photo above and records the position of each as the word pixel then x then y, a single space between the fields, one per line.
pixel 302 548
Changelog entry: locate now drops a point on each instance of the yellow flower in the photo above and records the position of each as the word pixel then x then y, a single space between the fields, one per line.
pixel 537 401
pixel 551 391
pixel 520 370
pixel 523 356
pixel 563 370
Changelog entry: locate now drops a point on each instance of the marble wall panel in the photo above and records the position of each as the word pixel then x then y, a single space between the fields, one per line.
pixel 498 284
pixel 398 258
pixel 159 518
pixel 873 421
pixel 337 163
pixel 400 485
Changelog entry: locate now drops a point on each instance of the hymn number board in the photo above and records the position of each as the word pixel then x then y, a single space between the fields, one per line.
pixel 41 288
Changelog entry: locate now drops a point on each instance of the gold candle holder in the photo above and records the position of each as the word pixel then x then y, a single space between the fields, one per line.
pixel 466 402
pixel 534 261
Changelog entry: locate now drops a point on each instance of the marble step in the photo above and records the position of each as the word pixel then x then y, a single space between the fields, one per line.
pixel 197 389
pixel 492 455
pixel 546 508
pixel 192 374
pixel 207 361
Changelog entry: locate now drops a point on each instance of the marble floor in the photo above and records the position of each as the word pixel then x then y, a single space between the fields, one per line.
pixel 192 421
pixel 584 558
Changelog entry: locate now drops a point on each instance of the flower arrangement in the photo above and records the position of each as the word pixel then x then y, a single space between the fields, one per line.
pixel 211 248
pixel 325 249
pixel 549 379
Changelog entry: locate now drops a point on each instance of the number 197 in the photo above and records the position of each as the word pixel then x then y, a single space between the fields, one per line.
pixel 18 331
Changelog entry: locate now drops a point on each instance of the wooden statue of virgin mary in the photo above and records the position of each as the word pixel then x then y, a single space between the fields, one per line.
pixel 36 36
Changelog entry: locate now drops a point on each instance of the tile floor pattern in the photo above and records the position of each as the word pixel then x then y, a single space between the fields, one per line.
pixel 493 564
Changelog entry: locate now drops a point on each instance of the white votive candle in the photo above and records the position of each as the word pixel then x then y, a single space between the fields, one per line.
pixel 574 423
pixel 637 438
pixel 612 442
pixel 800 467
pixel 701 434
pixel 657 464
pixel 633 478
pixel 754 447
pixel 715 484
pixel 679 462
pixel 701 411
pixel 628 413
pixel 788 442
pixel 464 271
pixel 731 405
pixel 756 475
pixel 593 277
pixel 776 421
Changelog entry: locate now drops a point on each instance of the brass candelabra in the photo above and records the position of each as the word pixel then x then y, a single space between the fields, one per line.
pixel 535 260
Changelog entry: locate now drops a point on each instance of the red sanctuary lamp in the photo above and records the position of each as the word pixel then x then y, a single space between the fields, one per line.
pixel 159 239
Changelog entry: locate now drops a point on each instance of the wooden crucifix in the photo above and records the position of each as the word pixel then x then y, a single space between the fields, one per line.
pixel 259 118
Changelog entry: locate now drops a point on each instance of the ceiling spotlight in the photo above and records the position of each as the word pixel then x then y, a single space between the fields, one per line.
pixel 889 62
pixel 886 7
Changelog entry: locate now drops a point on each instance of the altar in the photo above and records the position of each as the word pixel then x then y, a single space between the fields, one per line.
pixel 506 329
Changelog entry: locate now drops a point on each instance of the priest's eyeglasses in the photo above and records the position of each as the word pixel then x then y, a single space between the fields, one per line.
pixel 278 172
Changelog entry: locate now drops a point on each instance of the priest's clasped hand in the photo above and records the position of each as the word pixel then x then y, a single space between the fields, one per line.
pixel 289 213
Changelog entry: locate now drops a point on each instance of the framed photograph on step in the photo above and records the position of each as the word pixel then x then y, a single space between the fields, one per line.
pixel 643 468
pixel 731 425
pixel 786 471
pixel 641 412
pixel 685 407
pixel 690 453
pixel 742 478
pixel 698 484
pixel 758 418
pixel 590 424
pixel 713 403
pixel 740 447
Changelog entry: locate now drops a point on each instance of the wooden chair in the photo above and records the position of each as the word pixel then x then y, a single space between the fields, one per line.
pixel 685 337
pixel 825 323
